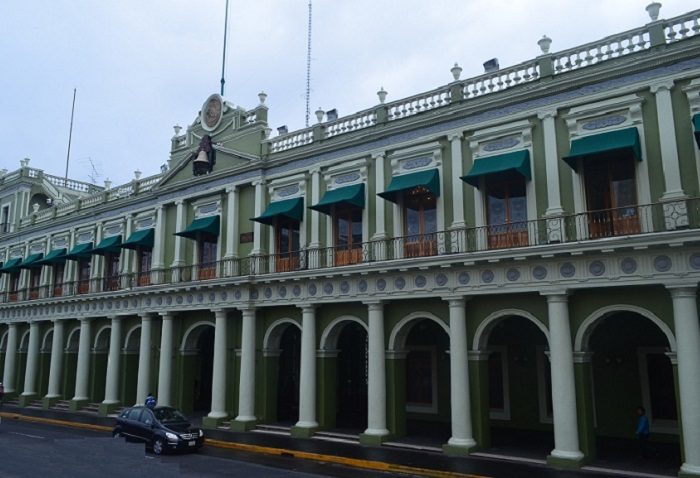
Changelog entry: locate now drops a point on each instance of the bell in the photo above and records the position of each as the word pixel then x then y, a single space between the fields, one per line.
pixel 201 163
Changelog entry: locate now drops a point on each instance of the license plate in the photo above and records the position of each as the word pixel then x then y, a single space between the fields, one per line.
pixel 191 443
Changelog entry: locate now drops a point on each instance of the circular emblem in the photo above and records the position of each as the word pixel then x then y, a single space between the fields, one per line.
pixel 567 270
pixel 628 265
pixel 200 297
pixel 212 111
pixel 282 291
pixel 312 289
pixel 513 274
pixel 381 284
pixel 463 278
pixel 420 281
pixel 362 285
pixel 695 261
pixel 159 301
pixel 662 263
pixel 597 268
pixel 487 276
pixel 441 279
pixel 254 294
pixel 236 295
pixel 296 290
pixel 268 292
pixel 224 295
pixel 539 272
pixel 212 297
pixel 328 288
pixel 400 283
pixel 168 300
pixel 345 287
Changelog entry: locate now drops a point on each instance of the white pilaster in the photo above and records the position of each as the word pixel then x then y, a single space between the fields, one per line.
pixel 83 367
pixel 460 403
pixel 232 223
pixel 112 382
pixel 315 215
pixel 458 221
pixel 218 383
pixel 307 375
pixel 667 139
pixel 127 254
pixel 165 367
pixel 246 390
pixel 32 368
pixel 56 366
pixel 143 380
pixel 379 203
pixel 566 445
pixel 552 162
pixel 257 227
pixel 8 375
pixel 159 239
pixel 685 319
pixel 180 219
pixel 376 377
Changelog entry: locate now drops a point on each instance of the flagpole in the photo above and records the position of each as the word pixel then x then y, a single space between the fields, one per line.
pixel 70 137
pixel 223 59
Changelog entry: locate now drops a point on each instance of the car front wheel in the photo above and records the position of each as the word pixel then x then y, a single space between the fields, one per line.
pixel 158 446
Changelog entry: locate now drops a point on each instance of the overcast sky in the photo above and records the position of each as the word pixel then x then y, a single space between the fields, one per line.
pixel 142 66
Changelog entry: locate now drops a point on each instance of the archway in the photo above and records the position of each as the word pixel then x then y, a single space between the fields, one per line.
pixel 351 382
pixel 70 363
pixel 288 375
pixel 629 363
pixel 45 352
pixel 98 370
pixel 3 350
pixel 21 361
pixel 130 366
pixel 197 354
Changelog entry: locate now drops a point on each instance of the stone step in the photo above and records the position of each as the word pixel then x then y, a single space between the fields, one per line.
pixel 62 405
pixel 225 425
pixel 272 430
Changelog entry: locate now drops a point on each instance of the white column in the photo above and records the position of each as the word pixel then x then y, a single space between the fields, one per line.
pixel 159 239
pixel 32 360
pixel 315 215
pixel 246 389
pixel 460 403
pixel 143 381
pixel 257 227
pixel 83 367
pixel 561 356
pixel 165 369
pixel 552 161
pixel 376 368
pixel 125 264
pixel 667 139
pixel 180 218
pixel 8 375
pixel 379 203
pixel 112 382
pixel 458 220
pixel 307 374
pixel 218 382
pixel 56 367
pixel 685 319
pixel 97 261
pixel 231 223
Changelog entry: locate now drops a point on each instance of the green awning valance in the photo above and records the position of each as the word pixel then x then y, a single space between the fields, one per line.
pixel 429 179
pixel 142 239
pixel 204 225
pixel 11 266
pixel 696 128
pixel 290 208
pixel 81 251
pixel 625 141
pixel 109 245
pixel 353 195
pixel 54 257
pixel 32 261
pixel 518 161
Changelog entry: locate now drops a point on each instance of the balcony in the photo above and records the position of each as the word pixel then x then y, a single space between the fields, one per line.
pixel 589 226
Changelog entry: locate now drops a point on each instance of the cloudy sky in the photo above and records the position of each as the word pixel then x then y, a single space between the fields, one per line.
pixel 141 67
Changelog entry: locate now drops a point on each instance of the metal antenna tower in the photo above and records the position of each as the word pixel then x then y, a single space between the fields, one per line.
pixel 308 69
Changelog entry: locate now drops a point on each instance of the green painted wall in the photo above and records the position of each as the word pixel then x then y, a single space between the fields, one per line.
pixel 566 174
pixel 246 210
pixel 687 147
pixel 539 173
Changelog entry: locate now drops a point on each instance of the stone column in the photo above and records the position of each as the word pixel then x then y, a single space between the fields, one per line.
pixel 551 159
pixel 462 439
pixel 32 368
pixel 246 390
pixel 8 375
pixel 218 382
pixel 458 238
pixel 379 208
pixel 83 368
pixel 685 320
pixel 307 376
pixel 112 382
pixel 165 368
pixel 376 430
pixel 158 259
pixel 566 445
pixel 180 218
pixel 257 227
pixel 143 381
pixel 315 215
pixel 56 366
pixel 126 262
pixel 231 223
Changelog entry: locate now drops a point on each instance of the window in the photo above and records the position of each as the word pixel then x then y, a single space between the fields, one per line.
pixel 506 210
pixel 143 273
pixel 207 246
pixel 420 222
pixel 84 265
pixel 34 282
pixel 658 389
pixel 348 235
pixel 58 270
pixel 287 238
pixel 544 385
pixel 421 386
pixel 611 195
pixel 499 398
pixel 5 219
pixel 111 280
pixel 14 286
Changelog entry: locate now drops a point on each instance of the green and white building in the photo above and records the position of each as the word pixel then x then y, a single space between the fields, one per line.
pixel 515 254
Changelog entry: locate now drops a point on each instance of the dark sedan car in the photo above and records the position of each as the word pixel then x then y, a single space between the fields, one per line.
pixel 162 428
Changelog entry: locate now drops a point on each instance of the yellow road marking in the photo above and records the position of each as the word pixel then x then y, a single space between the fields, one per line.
pixel 351 462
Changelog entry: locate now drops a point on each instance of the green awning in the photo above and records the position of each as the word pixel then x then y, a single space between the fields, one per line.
pixel 142 239
pixel 54 257
pixel 32 261
pixel 109 245
pixel 625 141
pixel 81 251
pixel 696 128
pixel 353 195
pixel 429 179
pixel 204 225
pixel 11 266
pixel 518 161
pixel 290 208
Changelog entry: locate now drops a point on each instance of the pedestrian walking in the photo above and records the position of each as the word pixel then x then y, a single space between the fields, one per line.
pixel 642 431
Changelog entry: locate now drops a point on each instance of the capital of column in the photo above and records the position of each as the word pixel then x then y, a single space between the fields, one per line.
pixel 86 320
pixel 167 315
pixel 307 307
pixel 146 316
pixel 455 300
pixel 673 357
pixel 681 291
pixel 220 313
pixel 231 189
pixel 455 136
pixel 548 114
pixel 554 296
pixel 583 357
pixel 179 202
pixel 478 355
pixel 247 311
pixel 258 182
pixel 379 155
pixel 374 304
pixel 661 86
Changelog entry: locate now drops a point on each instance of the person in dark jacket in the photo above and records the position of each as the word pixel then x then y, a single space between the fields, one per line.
pixel 150 401
pixel 642 431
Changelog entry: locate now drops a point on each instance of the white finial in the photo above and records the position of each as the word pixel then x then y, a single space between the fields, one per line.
pixel 137 174
pixel 382 95
pixel 177 129
pixel 262 96
pixel 456 71
pixel 35 207
pixel 24 162
pixel 653 10
pixel 108 184
pixel 320 114
pixel 545 42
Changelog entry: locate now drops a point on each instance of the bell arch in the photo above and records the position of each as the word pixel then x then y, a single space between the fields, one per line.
pixel 397 339
pixel 273 334
pixel 330 335
pixel 481 335
pixel 192 334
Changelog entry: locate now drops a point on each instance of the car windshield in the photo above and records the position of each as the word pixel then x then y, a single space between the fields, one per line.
pixel 169 415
